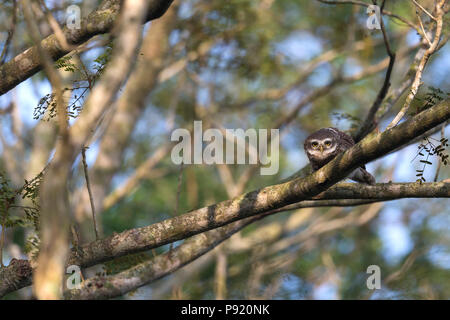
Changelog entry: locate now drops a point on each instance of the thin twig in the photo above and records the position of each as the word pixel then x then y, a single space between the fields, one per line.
pixel 53 76
pixel 10 34
pixel 88 185
pixel 424 10
pixel 220 282
pixel 388 13
pixel 398 274
pixel 369 123
pixel 177 201
pixel 423 29
pixel 59 33
pixel 144 171
pixel 417 79
pixel 180 180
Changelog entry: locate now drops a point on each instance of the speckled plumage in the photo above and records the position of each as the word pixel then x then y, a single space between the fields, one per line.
pixel 323 145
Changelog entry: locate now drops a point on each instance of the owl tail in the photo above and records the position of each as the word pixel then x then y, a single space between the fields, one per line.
pixel 361 175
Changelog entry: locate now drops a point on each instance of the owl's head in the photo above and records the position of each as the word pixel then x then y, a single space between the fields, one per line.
pixel 322 143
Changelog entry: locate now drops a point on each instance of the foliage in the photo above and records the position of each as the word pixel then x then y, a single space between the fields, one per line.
pixel 46 108
pixel 431 98
pixel 430 148
pixel 20 208
pixel 255 49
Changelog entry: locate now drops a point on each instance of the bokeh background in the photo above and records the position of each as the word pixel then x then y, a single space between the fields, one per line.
pixel 248 64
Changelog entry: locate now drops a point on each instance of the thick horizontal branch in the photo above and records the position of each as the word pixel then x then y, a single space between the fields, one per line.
pixel 18 273
pixel 100 21
pixel 386 191
pixel 277 196
pixel 105 287
pixel 102 287
pixel 15 276
pixel 355 194
pixel 263 200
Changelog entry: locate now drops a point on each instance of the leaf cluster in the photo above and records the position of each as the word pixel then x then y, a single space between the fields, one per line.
pixel 427 149
pixel 46 107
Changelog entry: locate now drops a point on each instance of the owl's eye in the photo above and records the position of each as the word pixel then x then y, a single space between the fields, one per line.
pixel 328 143
pixel 315 145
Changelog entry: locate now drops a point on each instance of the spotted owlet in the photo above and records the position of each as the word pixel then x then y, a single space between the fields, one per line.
pixel 323 145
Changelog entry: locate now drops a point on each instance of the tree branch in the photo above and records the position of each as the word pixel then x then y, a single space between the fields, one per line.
pixel 100 21
pixel 101 287
pixel 262 201
pixel 342 195
pixel 417 79
pixel 53 192
pixel 364 4
pixel 370 123
pixel 265 199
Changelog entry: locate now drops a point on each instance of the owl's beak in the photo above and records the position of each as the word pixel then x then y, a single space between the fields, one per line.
pixel 321 148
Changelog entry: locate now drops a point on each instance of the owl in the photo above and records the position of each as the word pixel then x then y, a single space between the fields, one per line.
pixel 323 145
